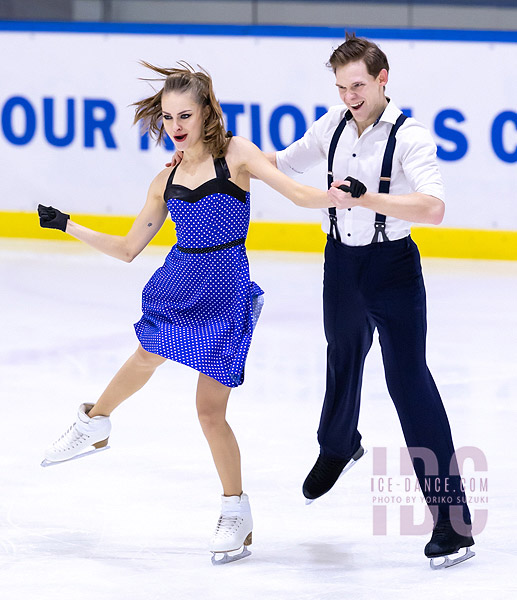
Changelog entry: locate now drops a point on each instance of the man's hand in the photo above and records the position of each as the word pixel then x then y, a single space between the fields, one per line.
pixel 344 194
pixel 176 159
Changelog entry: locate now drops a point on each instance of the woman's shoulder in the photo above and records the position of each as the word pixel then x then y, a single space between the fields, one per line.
pixel 238 156
pixel 159 183
pixel 238 143
pixel 240 149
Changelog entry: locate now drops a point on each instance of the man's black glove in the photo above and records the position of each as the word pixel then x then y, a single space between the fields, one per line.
pixel 356 189
pixel 52 218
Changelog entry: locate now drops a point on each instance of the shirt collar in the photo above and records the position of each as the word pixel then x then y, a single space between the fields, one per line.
pixel 389 115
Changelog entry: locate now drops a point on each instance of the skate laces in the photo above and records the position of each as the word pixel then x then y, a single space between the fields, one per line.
pixel 442 531
pixel 70 438
pixel 227 524
pixel 442 527
pixel 325 467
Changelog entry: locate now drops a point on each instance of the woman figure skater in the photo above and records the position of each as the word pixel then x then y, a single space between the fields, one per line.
pixel 200 307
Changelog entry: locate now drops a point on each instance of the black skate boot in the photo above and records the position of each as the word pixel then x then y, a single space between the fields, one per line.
pixel 447 540
pixel 325 473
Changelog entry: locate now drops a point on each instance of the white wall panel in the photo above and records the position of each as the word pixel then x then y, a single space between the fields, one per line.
pixel 464 92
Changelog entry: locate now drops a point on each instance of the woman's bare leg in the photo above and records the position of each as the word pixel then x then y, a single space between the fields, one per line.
pixel 211 402
pixel 132 376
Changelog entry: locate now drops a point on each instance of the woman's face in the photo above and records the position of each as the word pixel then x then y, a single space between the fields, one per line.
pixel 183 119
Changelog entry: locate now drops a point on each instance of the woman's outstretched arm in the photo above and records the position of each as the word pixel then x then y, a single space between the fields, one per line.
pixel 144 228
pixel 259 166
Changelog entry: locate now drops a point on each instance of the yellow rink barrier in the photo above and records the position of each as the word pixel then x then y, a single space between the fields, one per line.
pixel 292 237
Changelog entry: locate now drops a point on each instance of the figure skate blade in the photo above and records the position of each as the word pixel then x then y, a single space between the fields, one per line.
pixel 50 463
pixel 450 562
pixel 228 558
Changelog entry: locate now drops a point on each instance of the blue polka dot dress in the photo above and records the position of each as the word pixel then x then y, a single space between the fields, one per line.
pixel 200 307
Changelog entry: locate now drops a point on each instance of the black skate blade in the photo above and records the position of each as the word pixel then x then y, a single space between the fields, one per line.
pixel 50 463
pixel 349 465
pixel 450 562
pixel 228 558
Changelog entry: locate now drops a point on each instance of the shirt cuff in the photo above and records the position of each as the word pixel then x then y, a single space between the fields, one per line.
pixel 433 190
pixel 283 165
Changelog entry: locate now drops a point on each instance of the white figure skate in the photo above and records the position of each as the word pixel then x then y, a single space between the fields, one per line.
pixel 78 439
pixel 233 530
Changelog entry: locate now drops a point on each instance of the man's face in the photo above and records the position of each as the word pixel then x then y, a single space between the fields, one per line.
pixel 362 93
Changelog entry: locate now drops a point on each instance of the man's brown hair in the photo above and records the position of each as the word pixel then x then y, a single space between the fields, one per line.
pixel 354 49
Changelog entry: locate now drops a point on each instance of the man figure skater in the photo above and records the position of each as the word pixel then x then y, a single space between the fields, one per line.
pixel 372 280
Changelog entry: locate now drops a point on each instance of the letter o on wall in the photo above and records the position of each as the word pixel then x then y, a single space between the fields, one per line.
pixel 18 102
pixel 274 125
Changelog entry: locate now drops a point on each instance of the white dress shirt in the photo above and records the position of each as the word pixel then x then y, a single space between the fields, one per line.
pixel 415 168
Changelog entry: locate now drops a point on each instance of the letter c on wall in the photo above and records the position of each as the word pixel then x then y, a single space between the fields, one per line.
pixel 497 136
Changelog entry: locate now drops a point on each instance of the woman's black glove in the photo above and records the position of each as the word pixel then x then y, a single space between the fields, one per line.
pixel 356 189
pixel 52 218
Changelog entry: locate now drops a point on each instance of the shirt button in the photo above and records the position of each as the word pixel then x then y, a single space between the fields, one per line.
pixel 349 209
pixel 354 154
pixel 349 234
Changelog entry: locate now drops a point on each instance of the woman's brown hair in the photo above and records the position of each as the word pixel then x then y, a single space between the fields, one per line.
pixel 184 79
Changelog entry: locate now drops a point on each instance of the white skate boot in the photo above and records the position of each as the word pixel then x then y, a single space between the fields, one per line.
pixel 79 438
pixel 233 530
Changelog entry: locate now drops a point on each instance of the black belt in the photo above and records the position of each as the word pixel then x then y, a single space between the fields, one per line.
pixel 211 248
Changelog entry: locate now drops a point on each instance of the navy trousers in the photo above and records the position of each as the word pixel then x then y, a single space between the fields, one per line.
pixel 380 286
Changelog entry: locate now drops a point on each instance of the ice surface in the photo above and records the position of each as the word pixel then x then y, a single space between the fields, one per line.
pixel 133 523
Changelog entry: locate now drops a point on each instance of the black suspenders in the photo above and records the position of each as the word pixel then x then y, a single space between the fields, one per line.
pixel 385 180
pixel 384 183
pixel 330 175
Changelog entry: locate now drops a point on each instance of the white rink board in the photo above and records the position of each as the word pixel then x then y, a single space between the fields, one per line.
pixel 458 89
